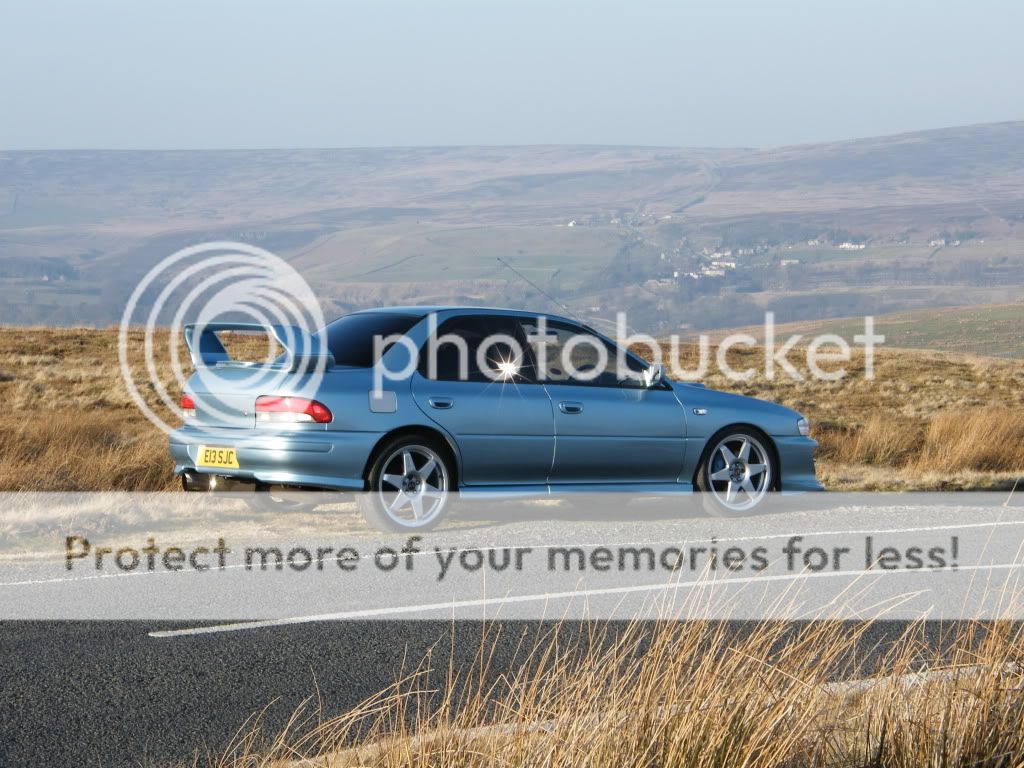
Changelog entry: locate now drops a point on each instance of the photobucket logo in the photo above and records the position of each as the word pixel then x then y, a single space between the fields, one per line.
pixel 219 287
pixel 538 349
pixel 824 348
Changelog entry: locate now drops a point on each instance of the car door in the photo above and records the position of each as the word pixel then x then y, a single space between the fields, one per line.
pixel 499 416
pixel 608 428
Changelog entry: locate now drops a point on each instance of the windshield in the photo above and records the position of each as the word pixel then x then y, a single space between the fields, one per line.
pixel 351 338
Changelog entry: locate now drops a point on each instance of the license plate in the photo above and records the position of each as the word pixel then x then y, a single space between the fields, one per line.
pixel 213 456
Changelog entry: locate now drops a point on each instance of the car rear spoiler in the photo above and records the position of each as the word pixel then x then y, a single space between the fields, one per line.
pixel 301 349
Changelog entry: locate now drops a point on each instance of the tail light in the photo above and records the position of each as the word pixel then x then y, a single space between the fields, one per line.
pixel 188 406
pixel 291 410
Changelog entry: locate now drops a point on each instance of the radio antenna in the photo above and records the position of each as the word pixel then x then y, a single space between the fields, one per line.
pixel 539 290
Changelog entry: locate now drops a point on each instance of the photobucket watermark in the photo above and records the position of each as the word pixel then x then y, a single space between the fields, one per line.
pixel 827 348
pixel 542 349
pixel 216 286
pixel 233 288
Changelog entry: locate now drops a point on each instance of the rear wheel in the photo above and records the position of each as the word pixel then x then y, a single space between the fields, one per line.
pixel 409 485
pixel 737 474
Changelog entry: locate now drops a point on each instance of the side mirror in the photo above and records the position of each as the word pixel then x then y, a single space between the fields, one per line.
pixel 654 375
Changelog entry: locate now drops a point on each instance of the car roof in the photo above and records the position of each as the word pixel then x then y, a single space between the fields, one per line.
pixel 424 310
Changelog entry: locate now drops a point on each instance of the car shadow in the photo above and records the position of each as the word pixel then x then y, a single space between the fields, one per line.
pixel 616 508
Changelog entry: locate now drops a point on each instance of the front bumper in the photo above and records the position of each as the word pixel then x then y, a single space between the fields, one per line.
pixel 796 455
pixel 318 459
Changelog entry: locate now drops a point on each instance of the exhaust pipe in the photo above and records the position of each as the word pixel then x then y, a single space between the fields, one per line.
pixel 197 481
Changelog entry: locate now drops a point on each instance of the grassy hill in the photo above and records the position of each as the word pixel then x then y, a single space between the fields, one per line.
pixel 995 330
pixel 369 226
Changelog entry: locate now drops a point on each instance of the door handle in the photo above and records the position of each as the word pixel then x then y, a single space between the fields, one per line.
pixel 441 403
pixel 570 407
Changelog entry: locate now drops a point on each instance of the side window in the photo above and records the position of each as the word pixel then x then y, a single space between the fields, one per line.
pixel 351 339
pixel 570 354
pixel 463 343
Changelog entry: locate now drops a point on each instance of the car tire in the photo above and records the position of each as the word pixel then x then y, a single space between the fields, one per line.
pixel 738 473
pixel 410 485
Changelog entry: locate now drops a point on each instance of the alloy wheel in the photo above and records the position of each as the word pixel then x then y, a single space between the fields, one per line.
pixel 413 486
pixel 739 472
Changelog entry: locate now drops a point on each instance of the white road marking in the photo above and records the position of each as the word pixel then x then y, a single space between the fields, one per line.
pixel 367 613
pixel 458 550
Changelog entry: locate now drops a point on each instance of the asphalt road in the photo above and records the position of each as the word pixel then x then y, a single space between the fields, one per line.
pixel 172 675
pixel 108 694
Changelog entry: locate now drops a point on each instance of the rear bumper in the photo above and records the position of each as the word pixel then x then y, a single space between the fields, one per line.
pixel 796 455
pixel 333 460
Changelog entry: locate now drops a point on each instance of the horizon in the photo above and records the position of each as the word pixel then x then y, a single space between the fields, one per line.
pixel 384 147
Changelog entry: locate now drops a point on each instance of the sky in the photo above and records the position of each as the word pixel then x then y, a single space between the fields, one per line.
pixel 316 73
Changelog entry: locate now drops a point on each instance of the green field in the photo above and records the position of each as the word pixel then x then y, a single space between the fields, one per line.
pixel 551 255
pixel 993 331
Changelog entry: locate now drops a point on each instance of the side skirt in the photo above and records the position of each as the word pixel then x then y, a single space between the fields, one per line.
pixel 568 489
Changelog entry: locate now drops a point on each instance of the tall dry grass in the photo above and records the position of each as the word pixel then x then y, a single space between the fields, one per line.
pixel 990 439
pixel 89 451
pixel 979 439
pixel 70 423
pixel 884 441
pixel 684 694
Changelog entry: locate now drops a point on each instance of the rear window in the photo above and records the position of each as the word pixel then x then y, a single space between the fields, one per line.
pixel 350 338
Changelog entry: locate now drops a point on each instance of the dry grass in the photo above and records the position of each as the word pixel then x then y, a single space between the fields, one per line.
pixel 880 441
pixel 683 694
pixel 70 423
pixel 68 451
pixel 864 477
pixel 927 420
pixel 990 439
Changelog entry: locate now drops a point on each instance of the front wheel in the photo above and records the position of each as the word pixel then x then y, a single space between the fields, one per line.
pixel 409 486
pixel 737 474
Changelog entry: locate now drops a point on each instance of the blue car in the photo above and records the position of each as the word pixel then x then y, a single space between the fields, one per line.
pixel 414 406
